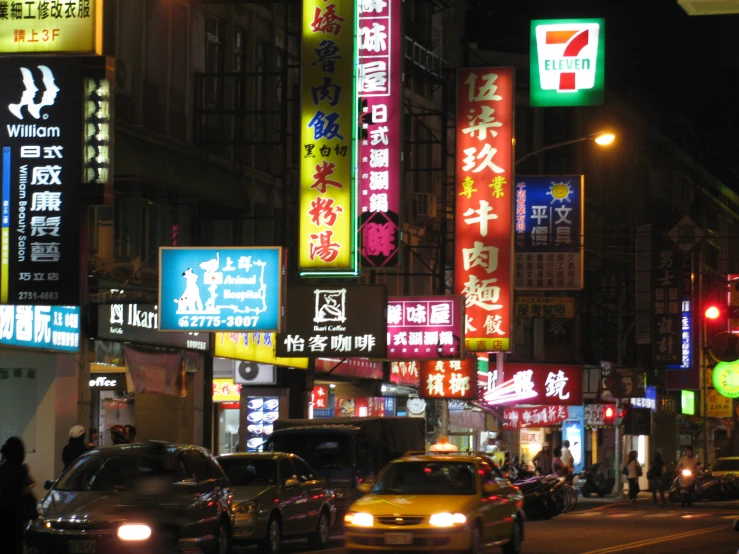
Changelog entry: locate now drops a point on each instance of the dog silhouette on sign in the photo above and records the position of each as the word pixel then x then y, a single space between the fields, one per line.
pixel 190 300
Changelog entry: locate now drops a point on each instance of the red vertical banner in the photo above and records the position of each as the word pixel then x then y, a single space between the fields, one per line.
pixel 484 207
pixel 380 89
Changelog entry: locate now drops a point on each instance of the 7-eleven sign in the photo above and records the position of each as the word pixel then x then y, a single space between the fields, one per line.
pixel 567 62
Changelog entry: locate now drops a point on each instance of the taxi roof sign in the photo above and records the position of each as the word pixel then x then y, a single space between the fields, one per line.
pixel 443 445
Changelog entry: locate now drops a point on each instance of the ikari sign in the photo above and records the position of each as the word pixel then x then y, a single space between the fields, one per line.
pixel 220 289
pixel 567 62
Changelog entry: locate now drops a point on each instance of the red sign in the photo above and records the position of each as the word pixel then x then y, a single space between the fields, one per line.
pixel 484 208
pixel 536 416
pixel 449 379
pixel 544 384
pixel 351 367
pixel 319 397
pixel 424 327
pixel 404 373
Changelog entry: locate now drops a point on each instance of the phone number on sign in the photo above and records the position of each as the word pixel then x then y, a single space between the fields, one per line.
pixel 210 321
pixel 25 295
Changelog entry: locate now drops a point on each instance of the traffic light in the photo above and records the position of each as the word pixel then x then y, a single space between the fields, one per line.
pixel 713 312
pixel 609 415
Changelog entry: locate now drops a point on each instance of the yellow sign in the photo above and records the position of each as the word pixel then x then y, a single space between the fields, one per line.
pixel 50 26
pixel 717 405
pixel 225 390
pixel 545 307
pixel 328 124
pixel 254 347
pixel 487 345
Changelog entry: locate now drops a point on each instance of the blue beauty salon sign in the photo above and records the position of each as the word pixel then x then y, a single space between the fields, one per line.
pixel 54 328
pixel 220 289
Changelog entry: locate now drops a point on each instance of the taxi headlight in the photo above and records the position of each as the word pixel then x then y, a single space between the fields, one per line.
pixel 360 519
pixel 134 532
pixel 446 519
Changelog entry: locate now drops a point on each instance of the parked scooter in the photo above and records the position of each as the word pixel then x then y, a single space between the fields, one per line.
pixel 592 481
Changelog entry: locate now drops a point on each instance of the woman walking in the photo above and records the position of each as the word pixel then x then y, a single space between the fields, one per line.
pixel 632 470
pixel 656 475
pixel 15 485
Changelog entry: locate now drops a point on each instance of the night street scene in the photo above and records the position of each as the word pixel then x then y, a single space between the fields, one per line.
pixel 356 276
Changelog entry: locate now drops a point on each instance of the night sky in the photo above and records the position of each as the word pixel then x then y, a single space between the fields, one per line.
pixel 665 62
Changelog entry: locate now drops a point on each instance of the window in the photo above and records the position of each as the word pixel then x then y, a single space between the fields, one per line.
pixel 195 466
pixel 249 472
pixel 239 59
pixel 286 470
pixel 213 468
pixel 437 478
pixel 304 472
pixel 213 59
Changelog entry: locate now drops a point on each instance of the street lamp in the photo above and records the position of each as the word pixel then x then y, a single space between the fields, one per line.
pixel 601 138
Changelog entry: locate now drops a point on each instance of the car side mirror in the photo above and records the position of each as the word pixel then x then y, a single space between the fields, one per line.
pixel 364 488
pixel 290 483
pixel 48 484
pixel 489 488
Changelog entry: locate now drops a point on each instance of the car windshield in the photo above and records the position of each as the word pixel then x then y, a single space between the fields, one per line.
pixel 450 478
pixel 117 472
pixel 320 450
pixel 245 472
pixel 726 465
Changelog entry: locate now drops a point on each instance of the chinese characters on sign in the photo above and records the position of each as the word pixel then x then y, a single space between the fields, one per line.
pixel 454 379
pixel 686 335
pixel 43 327
pixel 424 328
pixel 50 26
pixel 545 384
pixel 380 89
pixel 538 416
pixel 328 125
pixel 220 289
pixel 545 307
pixel 334 320
pixel 549 232
pixel 404 373
pixel 225 390
pixel 41 103
pixel 667 314
pixel 484 242
pixel 319 397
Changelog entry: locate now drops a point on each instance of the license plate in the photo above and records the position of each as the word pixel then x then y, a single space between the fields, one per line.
pixel 398 538
pixel 81 547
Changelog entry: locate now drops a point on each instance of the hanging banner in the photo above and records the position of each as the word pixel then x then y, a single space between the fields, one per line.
pixel 535 416
pixel 667 278
pixel 543 384
pixel 328 127
pixel 380 90
pixel 550 230
pixel 567 62
pixel 454 379
pixel 154 372
pixel 424 327
pixel 484 219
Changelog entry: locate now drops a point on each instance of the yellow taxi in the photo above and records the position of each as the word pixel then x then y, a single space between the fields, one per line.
pixel 440 501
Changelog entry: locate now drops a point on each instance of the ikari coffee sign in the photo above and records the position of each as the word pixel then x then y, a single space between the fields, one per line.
pixel 567 62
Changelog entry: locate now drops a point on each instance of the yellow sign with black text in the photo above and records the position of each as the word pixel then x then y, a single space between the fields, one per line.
pixel 254 347
pixel 51 26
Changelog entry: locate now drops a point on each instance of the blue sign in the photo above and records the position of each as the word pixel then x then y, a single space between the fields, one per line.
pixel 42 327
pixel 220 289
pixel 685 336
pixel 389 406
pixel 573 432
pixel 328 412
pixel 549 213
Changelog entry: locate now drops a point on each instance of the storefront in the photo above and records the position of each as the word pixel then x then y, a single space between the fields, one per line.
pixel 159 376
pixel 39 381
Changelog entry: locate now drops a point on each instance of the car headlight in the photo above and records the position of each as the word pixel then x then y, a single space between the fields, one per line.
pixel 246 508
pixel 134 532
pixel 360 519
pixel 446 519
pixel 687 473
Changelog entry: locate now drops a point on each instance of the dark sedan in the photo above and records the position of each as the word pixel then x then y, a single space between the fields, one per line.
pixel 144 498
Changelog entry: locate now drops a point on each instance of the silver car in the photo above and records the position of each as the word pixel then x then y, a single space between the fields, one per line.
pixel 276 496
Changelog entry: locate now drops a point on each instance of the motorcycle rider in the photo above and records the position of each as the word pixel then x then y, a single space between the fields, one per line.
pixel 118 434
pixel 688 461
pixel 75 447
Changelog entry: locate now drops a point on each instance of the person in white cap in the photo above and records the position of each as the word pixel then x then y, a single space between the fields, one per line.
pixel 75 447
pixel 543 460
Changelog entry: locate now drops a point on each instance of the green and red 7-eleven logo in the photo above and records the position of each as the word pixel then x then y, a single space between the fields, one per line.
pixel 567 62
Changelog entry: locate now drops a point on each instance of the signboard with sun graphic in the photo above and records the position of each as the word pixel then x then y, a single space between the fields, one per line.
pixel 549 229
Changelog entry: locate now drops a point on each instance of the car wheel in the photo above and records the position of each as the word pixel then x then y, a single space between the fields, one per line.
pixel 319 539
pixel 271 542
pixel 514 545
pixel 475 540
pixel 223 540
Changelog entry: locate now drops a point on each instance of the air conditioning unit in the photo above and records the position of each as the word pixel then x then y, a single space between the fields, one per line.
pixel 425 204
pixel 709 7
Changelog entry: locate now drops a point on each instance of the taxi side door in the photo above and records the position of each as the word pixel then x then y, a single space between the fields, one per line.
pixel 494 504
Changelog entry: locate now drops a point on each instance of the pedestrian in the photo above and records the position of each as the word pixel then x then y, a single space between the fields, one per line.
pixel 131 434
pixel 17 503
pixel 558 466
pixel 567 458
pixel 543 460
pixel 656 475
pixel 118 434
pixel 632 470
pixel 93 436
pixel 75 447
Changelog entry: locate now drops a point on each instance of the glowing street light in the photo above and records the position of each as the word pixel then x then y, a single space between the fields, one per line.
pixel 604 139
pixel 601 138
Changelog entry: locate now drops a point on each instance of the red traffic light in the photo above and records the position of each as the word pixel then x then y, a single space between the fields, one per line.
pixel 713 312
pixel 609 412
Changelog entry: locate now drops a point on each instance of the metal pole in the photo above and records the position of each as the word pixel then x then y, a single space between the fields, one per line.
pixel 698 260
pixel 617 486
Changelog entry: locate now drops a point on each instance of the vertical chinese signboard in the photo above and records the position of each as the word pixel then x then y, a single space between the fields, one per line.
pixel 328 125
pixel 667 267
pixel 41 106
pixel 380 89
pixel 484 222
pixel 549 232
pixel 449 379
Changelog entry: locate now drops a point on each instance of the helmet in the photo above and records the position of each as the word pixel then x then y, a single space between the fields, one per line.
pixel 76 432
pixel 118 434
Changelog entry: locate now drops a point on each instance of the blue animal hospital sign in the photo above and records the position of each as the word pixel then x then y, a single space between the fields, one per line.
pixel 220 289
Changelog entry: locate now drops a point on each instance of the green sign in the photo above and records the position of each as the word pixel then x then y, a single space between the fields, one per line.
pixel 687 402
pixel 726 379
pixel 567 62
